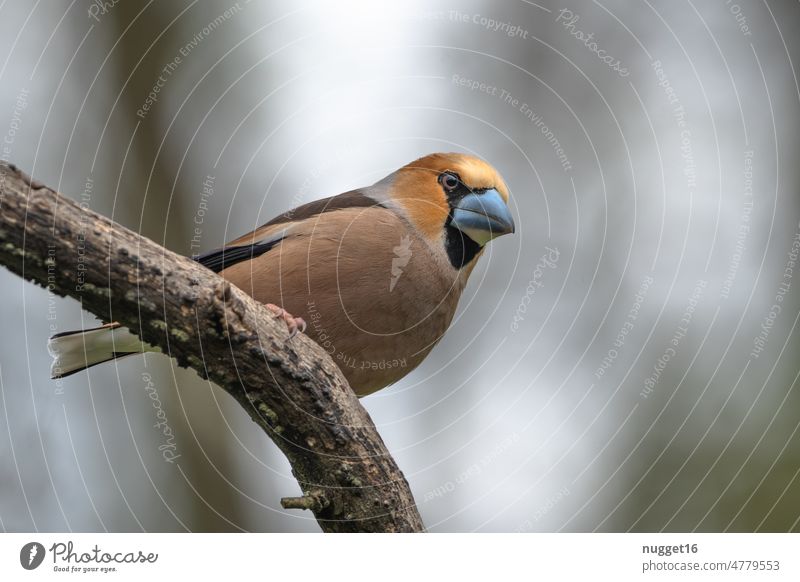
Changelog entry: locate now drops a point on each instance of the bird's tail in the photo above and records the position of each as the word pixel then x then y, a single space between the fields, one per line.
pixel 74 351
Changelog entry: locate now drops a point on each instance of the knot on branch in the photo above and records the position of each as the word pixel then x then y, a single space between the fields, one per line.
pixel 314 500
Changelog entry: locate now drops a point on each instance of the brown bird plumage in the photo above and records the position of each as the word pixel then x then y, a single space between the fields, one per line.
pixel 375 273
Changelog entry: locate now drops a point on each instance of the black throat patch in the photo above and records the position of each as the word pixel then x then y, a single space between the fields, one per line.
pixel 460 248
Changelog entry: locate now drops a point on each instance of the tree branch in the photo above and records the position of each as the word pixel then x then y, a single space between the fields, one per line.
pixel 291 389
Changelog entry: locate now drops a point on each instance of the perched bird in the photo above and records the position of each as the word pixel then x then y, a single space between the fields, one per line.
pixel 373 275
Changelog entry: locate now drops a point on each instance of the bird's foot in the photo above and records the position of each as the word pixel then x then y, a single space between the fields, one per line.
pixel 294 324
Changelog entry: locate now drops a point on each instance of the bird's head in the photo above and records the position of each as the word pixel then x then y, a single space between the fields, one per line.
pixel 454 200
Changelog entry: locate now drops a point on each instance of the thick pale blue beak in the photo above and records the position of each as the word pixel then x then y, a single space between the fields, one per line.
pixel 482 216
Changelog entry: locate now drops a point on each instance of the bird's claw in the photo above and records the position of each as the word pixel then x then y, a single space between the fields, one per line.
pixel 294 324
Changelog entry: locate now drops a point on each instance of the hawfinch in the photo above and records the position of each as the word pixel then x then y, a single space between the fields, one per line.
pixel 372 275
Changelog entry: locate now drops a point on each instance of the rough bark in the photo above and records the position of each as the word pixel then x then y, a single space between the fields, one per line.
pixel 291 389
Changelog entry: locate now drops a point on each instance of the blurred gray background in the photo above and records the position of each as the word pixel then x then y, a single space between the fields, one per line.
pixel 619 364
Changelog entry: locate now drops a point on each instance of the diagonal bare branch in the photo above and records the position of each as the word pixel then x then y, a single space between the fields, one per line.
pixel 292 390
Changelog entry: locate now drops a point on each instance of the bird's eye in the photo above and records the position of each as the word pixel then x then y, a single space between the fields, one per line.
pixel 450 181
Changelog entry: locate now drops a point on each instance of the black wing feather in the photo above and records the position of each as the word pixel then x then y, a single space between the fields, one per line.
pixel 220 259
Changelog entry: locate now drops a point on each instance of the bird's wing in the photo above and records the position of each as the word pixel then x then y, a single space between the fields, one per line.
pixel 265 237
